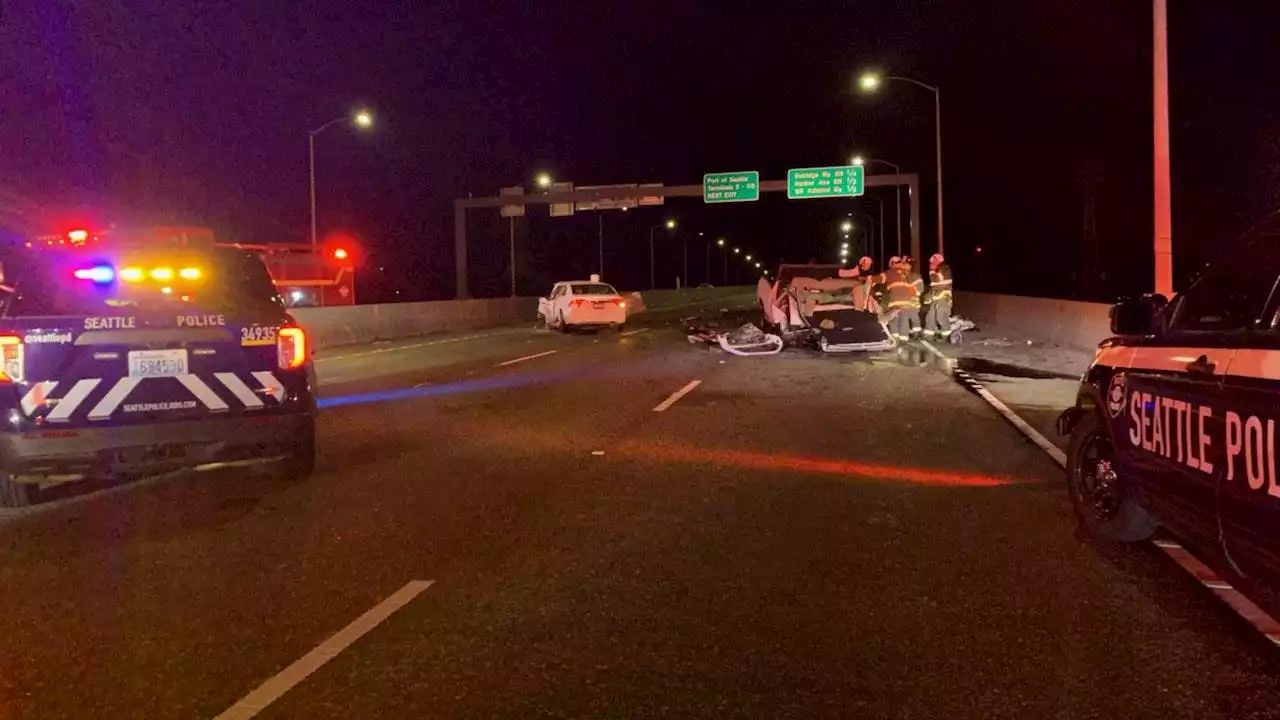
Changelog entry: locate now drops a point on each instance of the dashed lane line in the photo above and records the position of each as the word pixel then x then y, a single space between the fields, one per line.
pixel 526 357
pixel 273 689
pixel 415 346
pixel 674 397
pixel 637 331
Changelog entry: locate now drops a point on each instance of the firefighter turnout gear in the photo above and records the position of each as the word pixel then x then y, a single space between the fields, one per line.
pixel 901 300
pixel 938 319
pixel 917 292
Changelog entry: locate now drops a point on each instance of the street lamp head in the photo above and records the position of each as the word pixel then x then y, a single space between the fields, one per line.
pixel 671 224
pixel 720 242
pixel 869 81
pixel 543 179
pixel 757 264
pixel 748 258
pixel 363 119
pixel 846 226
pixel 858 160
pixel 736 251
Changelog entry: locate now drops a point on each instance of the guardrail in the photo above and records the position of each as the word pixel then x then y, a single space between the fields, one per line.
pixel 353 324
pixel 1064 322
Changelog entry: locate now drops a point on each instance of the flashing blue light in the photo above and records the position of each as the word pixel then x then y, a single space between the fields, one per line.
pixel 100 274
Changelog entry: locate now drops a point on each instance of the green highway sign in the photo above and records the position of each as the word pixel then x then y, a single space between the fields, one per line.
pixel 839 181
pixel 731 187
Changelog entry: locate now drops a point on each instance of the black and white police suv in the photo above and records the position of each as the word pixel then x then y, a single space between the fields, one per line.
pixel 123 360
pixel 1175 422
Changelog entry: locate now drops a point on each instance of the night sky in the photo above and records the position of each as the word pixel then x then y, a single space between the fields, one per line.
pixel 198 112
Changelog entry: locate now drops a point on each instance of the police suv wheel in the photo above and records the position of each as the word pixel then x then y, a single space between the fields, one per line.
pixel 1098 492
pixel 16 495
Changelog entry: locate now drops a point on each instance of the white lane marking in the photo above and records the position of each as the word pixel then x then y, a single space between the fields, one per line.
pixel 675 396
pixel 62 410
pixel 426 343
pixel 203 392
pixel 526 357
pixel 239 389
pixel 274 688
pixel 113 398
pixel 1032 434
pixel 637 331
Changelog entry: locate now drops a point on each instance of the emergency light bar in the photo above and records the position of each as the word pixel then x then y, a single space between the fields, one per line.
pixel 106 274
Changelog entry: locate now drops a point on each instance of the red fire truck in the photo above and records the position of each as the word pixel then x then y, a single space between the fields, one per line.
pixel 306 276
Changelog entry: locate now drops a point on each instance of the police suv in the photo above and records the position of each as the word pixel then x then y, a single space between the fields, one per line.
pixel 123 359
pixel 1175 422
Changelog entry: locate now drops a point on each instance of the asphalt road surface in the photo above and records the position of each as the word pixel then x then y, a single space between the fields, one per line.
pixel 796 536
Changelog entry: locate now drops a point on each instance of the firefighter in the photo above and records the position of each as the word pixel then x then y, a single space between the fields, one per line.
pixel 898 294
pixel 862 291
pixel 917 292
pixel 938 321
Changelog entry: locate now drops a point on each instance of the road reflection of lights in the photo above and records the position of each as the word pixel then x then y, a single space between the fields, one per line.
pixel 750 460
pixel 503 382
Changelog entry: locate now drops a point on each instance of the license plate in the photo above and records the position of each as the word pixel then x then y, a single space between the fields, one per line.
pixel 157 363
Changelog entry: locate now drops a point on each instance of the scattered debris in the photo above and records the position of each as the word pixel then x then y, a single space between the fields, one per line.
pixel 597 452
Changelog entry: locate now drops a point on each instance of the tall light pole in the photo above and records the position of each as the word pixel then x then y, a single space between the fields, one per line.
pixel 361 119
pixel 870 82
pixel 897 197
pixel 670 224
pixel 724 276
pixel 1163 204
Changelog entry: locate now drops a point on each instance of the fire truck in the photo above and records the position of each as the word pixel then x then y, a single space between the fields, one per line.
pixel 305 275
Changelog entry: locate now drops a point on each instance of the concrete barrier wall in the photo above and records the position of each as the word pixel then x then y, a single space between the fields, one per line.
pixel 1064 322
pixel 352 324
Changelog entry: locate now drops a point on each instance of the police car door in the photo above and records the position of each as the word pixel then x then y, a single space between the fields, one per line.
pixel 1171 425
pixel 1249 499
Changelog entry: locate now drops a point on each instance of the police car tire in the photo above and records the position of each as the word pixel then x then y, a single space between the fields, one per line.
pixel 1131 523
pixel 15 495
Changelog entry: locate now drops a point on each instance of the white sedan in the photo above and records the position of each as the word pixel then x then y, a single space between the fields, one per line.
pixel 583 304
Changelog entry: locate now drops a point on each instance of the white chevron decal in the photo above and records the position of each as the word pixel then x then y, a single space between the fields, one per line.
pixel 69 402
pixel 203 392
pixel 35 397
pixel 239 389
pixel 113 398
pixel 271 383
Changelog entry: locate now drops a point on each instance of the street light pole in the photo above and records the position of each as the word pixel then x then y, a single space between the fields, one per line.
pixel 311 156
pixel 1163 204
pixel 871 81
pixel 653 283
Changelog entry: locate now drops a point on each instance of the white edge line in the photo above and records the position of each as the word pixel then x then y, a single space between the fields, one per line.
pixel 274 688
pixel 637 331
pixel 675 396
pixel 526 357
pixel 1249 611
pixel 1031 433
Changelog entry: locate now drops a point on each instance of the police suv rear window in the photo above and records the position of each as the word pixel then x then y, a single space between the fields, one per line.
pixel 40 283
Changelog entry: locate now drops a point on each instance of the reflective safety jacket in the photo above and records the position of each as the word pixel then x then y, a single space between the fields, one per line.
pixel 940 282
pixel 917 287
pixel 902 293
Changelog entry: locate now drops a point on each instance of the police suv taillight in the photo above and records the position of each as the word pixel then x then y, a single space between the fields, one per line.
pixel 291 347
pixel 12 366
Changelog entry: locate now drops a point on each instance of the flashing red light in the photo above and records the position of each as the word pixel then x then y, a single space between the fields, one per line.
pixel 78 236
pixel 978 249
pixel 340 254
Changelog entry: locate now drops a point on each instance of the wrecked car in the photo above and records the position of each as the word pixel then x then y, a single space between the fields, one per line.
pixel 826 306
